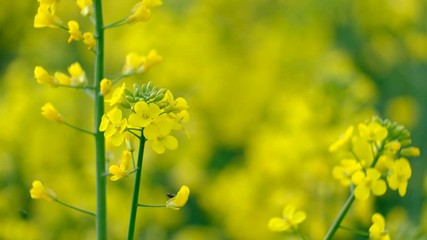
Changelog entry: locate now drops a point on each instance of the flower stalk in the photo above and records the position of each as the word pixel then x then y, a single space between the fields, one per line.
pixel 101 201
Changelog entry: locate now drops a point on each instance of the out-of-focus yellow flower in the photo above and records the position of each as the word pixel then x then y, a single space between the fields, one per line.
pixel 43 77
pixel 117 95
pixel 113 126
pixel 74 31
pixel 85 6
pixel 121 171
pixel 89 40
pixel 404 110
pixel 377 231
pixel 344 141
pixel 136 63
pixel 180 199
pixel 46 17
pixel 51 4
pixel 365 183
pixel 106 85
pixel 77 76
pixel 39 191
pixel 141 11
pixel 372 132
pixel 399 175
pixel 289 221
pixel 50 113
pixel 158 135
pixel 344 171
pixel 144 114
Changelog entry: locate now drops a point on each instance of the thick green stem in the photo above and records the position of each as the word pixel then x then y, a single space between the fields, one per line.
pixel 101 201
pixel 135 197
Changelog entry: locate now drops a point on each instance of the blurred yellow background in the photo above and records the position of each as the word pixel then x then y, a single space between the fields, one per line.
pixel 270 85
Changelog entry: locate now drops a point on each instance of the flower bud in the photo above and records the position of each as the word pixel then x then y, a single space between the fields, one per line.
pixel 106 86
pixel 50 113
pixel 410 152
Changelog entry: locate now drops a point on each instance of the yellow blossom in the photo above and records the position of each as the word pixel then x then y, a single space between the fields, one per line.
pixel 85 6
pixel 377 231
pixel 134 64
pixel 50 113
pixel 344 141
pixel 289 220
pixel 367 183
pixel 50 4
pixel 344 171
pixel 144 114
pixel 46 17
pixel 141 11
pixel 399 175
pixel 372 132
pixel 152 59
pixel 63 78
pixel 89 40
pixel 158 135
pixel 113 126
pixel 43 77
pixel 78 76
pixel 39 191
pixel 121 171
pixel 106 86
pixel 117 95
pixel 180 199
pixel 410 152
pixel 74 31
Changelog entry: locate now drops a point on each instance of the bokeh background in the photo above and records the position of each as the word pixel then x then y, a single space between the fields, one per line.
pixel 270 84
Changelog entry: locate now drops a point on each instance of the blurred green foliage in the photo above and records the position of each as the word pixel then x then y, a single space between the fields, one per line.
pixel 270 85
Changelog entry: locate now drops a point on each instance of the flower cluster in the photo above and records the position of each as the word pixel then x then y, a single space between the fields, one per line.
pixel 151 111
pixel 289 220
pixel 376 158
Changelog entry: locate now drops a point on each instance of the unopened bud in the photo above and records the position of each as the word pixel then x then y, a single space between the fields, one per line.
pixel 410 152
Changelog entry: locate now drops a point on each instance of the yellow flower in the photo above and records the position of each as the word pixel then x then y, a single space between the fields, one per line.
pixel 180 199
pixel 289 220
pixel 106 86
pixel 121 171
pixel 113 126
pixel 152 59
pixel 372 132
pixel 46 17
pixel 78 76
pixel 43 77
pixel 344 171
pixel 89 40
pixel 377 231
pixel 63 78
pixel 117 95
pixel 344 141
pixel 144 114
pixel 50 113
pixel 39 191
pixel 365 183
pixel 399 175
pixel 85 6
pixel 51 4
pixel 141 11
pixel 158 135
pixel 74 31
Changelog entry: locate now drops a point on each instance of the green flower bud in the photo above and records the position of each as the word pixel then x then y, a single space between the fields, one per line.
pixel 406 142
pixel 149 85
pixel 125 105
pixel 128 92
pixel 159 97
pixel 131 99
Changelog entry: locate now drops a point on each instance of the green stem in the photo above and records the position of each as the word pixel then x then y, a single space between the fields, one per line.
pixel 152 205
pixel 76 87
pixel 116 24
pixel 74 207
pixel 135 197
pixel 334 227
pixel 101 200
pixel 79 129
pixel 295 230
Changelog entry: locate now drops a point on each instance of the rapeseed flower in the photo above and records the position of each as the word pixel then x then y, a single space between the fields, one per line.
pixel 121 170
pixel 89 40
pixel 399 175
pixel 377 231
pixel 289 221
pixel 43 77
pixel 46 17
pixel 344 142
pixel 141 11
pixel 117 95
pixel 39 191
pixel 372 132
pixel 144 114
pixel 180 199
pixel 106 86
pixel 158 135
pixel 85 6
pixel 50 113
pixel 344 171
pixel 367 183
pixel 74 31
pixel 113 126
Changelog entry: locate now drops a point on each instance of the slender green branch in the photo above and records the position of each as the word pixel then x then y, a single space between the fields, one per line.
pixel 74 207
pixel 356 231
pixel 76 87
pixel 135 197
pixel 79 129
pixel 116 24
pixel 334 227
pixel 152 205
pixel 101 184
pixel 298 233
